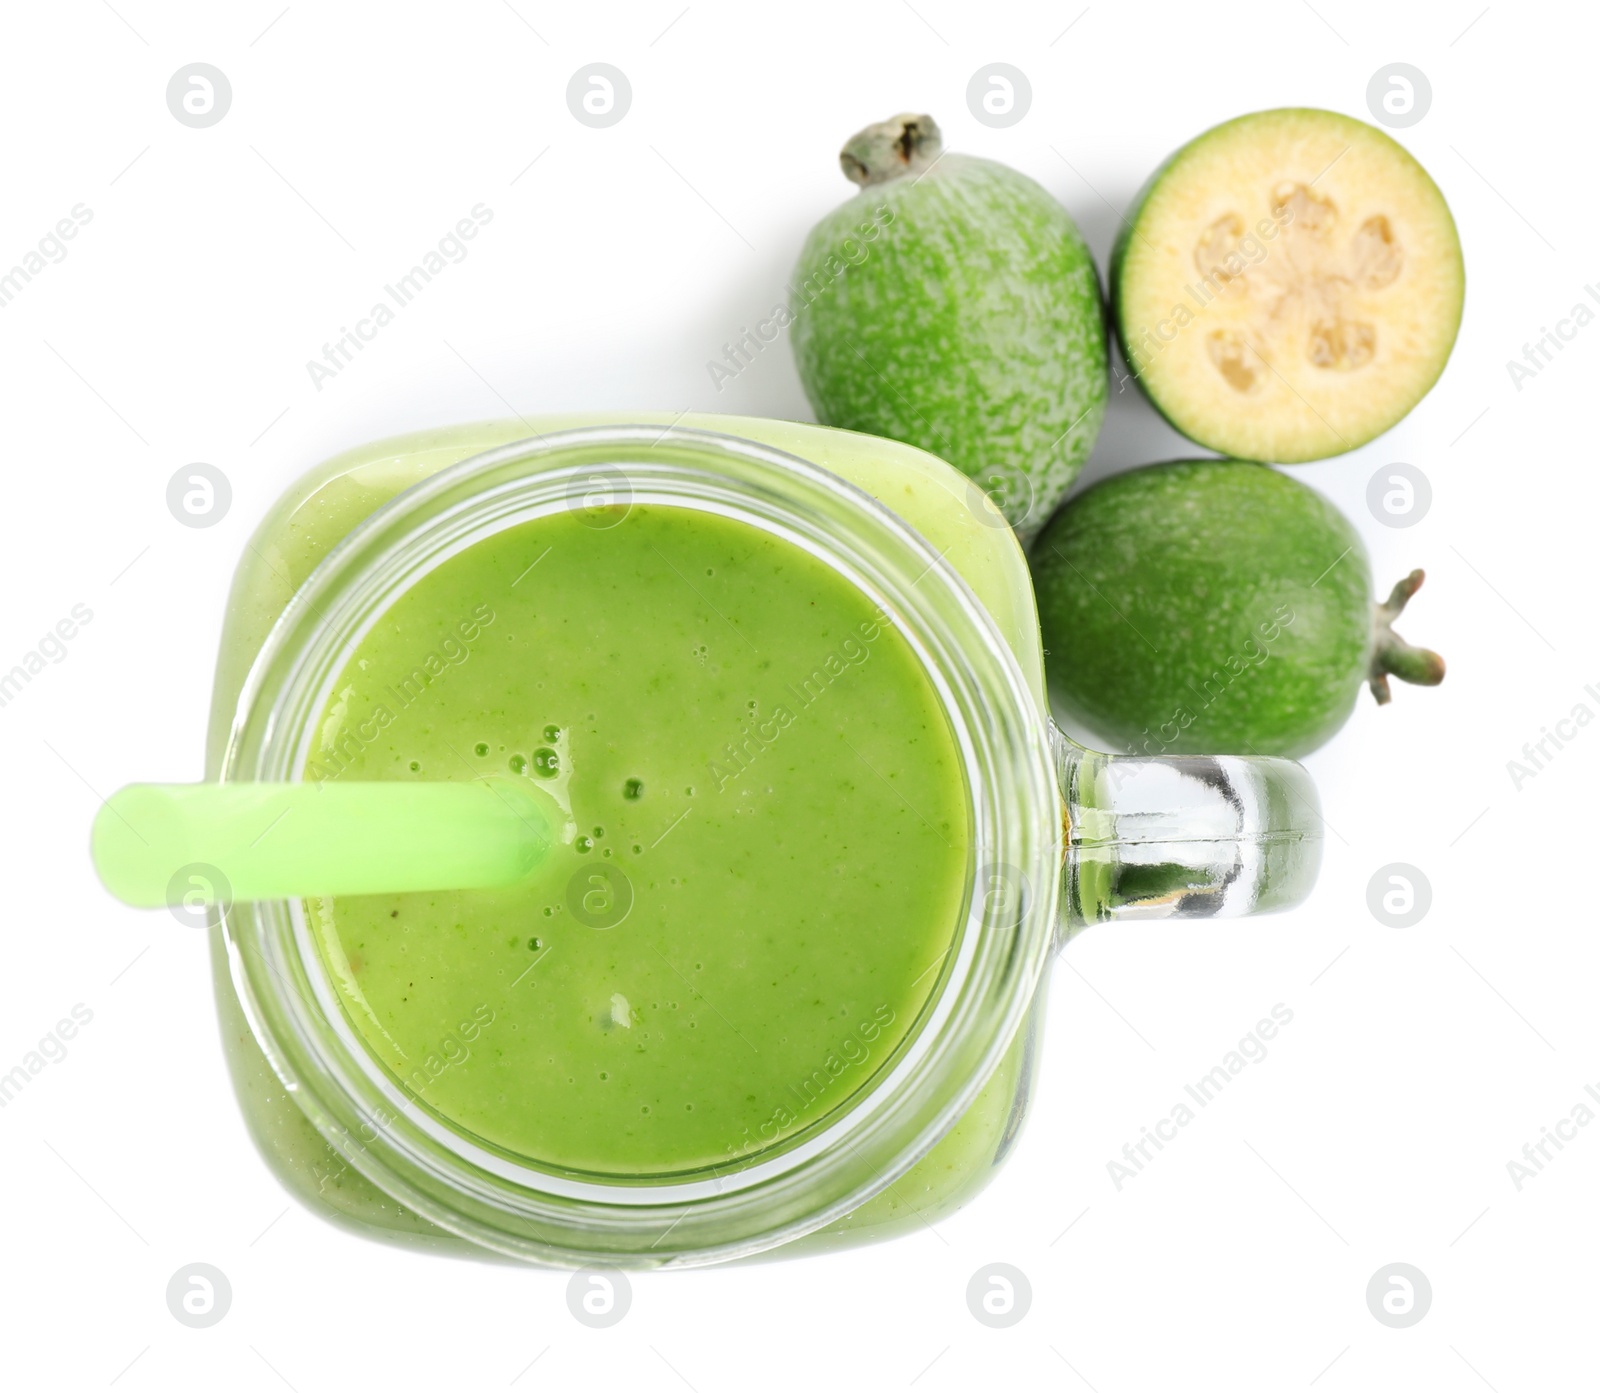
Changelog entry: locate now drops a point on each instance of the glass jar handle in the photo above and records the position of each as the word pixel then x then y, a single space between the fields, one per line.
pixel 1182 837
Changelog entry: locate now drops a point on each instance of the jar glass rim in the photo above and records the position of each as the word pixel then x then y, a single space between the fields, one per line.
pixel 538 1213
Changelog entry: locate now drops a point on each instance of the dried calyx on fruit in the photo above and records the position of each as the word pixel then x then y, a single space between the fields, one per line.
pixel 952 304
pixel 1215 607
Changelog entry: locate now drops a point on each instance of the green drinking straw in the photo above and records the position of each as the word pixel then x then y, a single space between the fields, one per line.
pixel 165 844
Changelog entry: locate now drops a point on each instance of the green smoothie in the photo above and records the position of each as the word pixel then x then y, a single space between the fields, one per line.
pixel 762 844
pixel 299 532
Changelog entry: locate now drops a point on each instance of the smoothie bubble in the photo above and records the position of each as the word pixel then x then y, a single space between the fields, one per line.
pixel 633 790
pixel 546 762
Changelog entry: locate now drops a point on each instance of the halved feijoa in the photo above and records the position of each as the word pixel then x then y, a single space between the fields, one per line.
pixel 1287 286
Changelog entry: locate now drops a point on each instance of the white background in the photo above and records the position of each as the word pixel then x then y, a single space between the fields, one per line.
pixel 177 329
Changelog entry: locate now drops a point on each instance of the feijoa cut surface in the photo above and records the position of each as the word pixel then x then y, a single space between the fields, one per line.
pixel 1214 607
pixel 1288 285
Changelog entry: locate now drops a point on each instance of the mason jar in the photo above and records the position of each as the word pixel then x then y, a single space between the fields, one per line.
pixel 1061 838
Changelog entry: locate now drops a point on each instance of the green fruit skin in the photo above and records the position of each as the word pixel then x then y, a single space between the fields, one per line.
pixel 959 311
pixel 1119 248
pixel 1204 607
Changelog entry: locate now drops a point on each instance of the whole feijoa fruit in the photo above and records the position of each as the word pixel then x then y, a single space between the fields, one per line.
pixel 1287 286
pixel 953 304
pixel 1214 607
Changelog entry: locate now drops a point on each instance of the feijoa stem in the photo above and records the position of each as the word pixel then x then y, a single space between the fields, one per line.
pixel 1392 656
pixel 904 144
